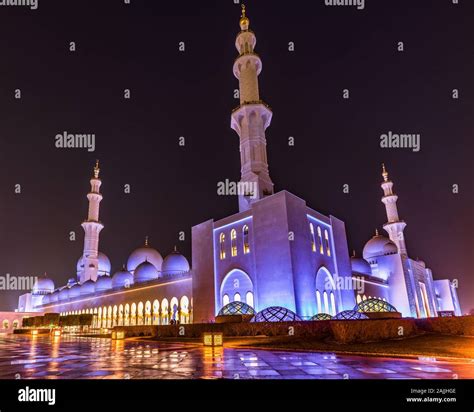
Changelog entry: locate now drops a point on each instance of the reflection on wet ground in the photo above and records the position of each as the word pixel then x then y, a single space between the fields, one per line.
pixel 68 357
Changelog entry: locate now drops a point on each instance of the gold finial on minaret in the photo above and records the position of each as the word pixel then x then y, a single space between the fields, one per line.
pixel 376 232
pixel 384 173
pixel 244 20
pixel 146 241
pixel 175 249
pixel 354 253
pixel 96 169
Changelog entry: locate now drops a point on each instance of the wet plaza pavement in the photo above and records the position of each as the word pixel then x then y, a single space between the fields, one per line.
pixel 24 357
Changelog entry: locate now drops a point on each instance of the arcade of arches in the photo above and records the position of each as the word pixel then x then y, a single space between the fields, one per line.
pixel 149 312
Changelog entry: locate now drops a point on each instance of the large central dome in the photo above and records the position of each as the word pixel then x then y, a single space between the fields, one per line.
pixel 144 254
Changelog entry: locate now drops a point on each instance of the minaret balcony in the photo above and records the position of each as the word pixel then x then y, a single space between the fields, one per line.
pixel 245 111
pixel 256 102
pixel 248 56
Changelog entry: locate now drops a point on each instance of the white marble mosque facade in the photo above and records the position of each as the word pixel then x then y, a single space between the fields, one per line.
pixel 276 251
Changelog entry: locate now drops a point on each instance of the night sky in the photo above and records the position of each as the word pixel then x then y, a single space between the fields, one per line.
pixel 191 94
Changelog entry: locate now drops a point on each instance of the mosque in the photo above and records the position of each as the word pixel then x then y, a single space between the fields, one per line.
pixel 276 251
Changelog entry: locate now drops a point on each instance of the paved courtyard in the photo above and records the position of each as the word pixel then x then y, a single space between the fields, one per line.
pixel 23 357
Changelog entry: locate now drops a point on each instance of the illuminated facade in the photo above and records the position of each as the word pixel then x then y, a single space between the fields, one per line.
pixel 275 252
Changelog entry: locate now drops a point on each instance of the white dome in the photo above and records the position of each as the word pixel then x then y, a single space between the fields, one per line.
pixel 360 265
pixel 144 272
pixel 103 283
pixel 379 246
pixel 75 291
pixel 175 263
pixel 43 286
pixel 64 293
pixel 142 254
pixel 88 287
pixel 122 278
pixel 104 265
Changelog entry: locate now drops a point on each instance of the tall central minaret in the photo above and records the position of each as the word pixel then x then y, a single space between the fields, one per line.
pixel 394 226
pixel 92 228
pixel 251 119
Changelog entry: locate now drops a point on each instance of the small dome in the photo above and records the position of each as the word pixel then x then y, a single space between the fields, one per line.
pixel 145 272
pixel 54 297
pixel 175 263
pixel 276 314
pixel 142 254
pixel 64 293
pixel 71 282
pixel 75 291
pixel 88 287
pixel 43 286
pixel 350 315
pixel 104 265
pixel 379 246
pixel 360 265
pixel 122 278
pixel 103 283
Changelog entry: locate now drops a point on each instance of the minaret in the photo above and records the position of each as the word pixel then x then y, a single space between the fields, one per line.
pixel 250 120
pixel 394 226
pixel 92 228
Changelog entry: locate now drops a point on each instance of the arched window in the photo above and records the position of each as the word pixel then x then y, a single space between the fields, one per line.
pixel 326 238
pixel 120 315
pixel 364 297
pixel 148 313
pixel 104 317
pixel 320 239
pixel 326 302
pixel 6 324
pixel 127 315
pixel 235 284
pixel 318 301
pixel 225 299
pixel 333 304
pixel 140 313
pixel 222 246
pixel 313 237
pixel 174 306
pixel 184 304
pixel 233 242
pixel 133 314
pixel 115 316
pixel 249 299
pixel 16 324
pixel 156 312
pixel 245 235
pixel 358 299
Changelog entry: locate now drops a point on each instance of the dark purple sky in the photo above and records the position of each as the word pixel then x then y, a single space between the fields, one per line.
pixel 190 94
